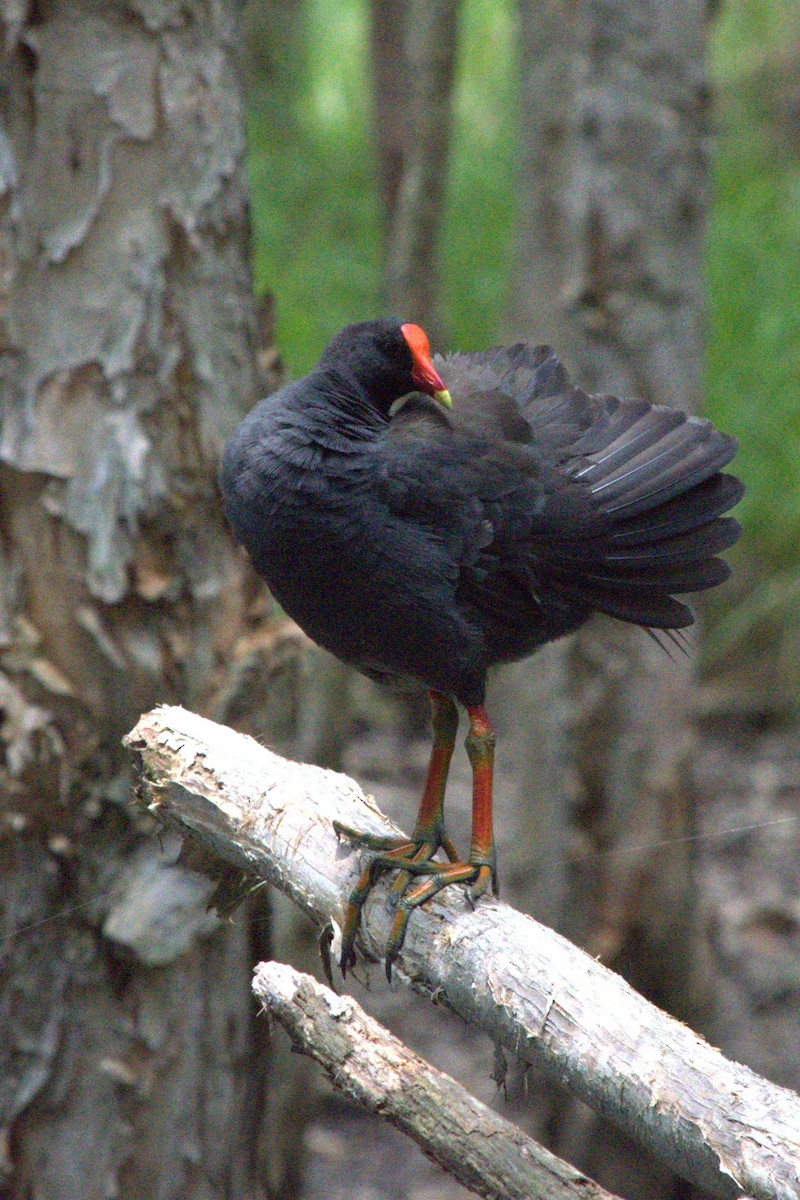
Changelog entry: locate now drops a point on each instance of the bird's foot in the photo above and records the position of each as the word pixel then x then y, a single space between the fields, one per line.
pixel 477 875
pixel 410 857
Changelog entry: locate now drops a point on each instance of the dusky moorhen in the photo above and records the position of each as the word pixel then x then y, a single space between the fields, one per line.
pixel 425 539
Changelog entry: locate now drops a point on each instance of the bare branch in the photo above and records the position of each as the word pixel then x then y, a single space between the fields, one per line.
pixel 369 1065
pixel 715 1122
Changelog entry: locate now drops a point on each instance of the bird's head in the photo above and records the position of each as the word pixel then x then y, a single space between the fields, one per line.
pixel 388 359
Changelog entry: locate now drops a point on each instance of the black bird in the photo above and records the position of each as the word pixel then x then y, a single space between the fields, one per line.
pixel 425 539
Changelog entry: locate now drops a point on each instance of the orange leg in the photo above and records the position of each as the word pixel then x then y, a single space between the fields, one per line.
pixel 481 869
pixel 480 748
pixel 429 827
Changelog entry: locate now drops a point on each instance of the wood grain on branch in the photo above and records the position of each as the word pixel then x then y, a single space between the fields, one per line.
pixel 716 1123
pixel 371 1066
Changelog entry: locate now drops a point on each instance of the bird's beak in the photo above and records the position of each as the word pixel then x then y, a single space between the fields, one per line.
pixel 423 373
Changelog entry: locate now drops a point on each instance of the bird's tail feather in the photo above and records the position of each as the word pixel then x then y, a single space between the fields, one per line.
pixel 660 500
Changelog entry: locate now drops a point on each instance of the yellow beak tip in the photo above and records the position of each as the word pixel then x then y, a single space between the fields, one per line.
pixel 444 398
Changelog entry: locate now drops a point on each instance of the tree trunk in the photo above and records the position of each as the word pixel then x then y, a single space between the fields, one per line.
pixel 388 20
pixel 414 121
pixel 614 191
pixel 131 1061
pixel 611 257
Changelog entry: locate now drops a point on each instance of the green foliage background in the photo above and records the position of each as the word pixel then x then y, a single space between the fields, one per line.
pixel 316 243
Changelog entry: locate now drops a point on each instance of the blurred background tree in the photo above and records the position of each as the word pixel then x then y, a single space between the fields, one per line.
pixel 132 1062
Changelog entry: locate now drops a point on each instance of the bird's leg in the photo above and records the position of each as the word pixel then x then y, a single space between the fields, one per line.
pixel 429 832
pixel 411 855
pixel 480 749
pixel 481 869
pixel 429 827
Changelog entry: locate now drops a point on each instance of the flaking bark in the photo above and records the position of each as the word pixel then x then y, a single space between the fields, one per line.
pixel 128 334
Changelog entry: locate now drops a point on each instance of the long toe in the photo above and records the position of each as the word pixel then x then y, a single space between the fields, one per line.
pixel 477 876
pixel 485 878
pixel 352 920
pixel 382 843
pixel 409 858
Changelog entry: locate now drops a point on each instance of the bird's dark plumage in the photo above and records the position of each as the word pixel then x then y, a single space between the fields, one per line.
pixel 418 541
pixel 432 544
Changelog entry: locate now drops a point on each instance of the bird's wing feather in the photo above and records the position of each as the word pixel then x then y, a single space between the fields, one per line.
pixel 632 493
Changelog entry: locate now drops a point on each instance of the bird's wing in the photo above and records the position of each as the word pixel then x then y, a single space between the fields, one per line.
pixel 629 498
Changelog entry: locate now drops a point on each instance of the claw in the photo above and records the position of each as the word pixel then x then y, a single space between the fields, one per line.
pixel 478 875
pixel 358 896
